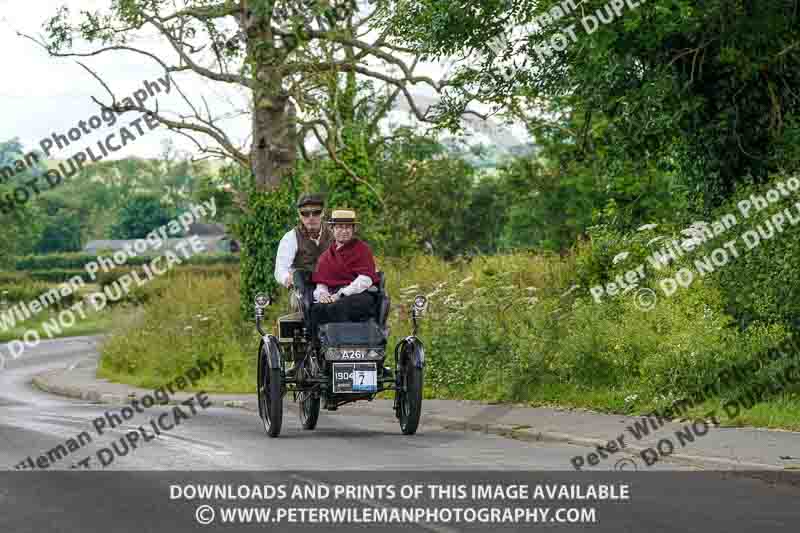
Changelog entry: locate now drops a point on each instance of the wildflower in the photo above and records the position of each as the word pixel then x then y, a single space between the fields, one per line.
pixel 647 227
pixel 620 257
pixel 654 240
pixel 571 289
pixel 631 398
pixel 631 286
pixel 434 293
pixel 531 289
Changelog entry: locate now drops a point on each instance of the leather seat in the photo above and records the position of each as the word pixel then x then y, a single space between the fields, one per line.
pixel 305 288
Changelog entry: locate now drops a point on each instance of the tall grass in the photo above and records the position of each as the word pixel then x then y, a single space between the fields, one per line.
pixel 504 328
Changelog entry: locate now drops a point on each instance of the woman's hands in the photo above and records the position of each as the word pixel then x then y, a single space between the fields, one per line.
pixel 328 298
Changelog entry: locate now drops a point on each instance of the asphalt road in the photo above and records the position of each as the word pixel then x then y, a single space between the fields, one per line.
pixel 232 443
pixel 218 438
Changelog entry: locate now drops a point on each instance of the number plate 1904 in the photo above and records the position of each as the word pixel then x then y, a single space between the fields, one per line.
pixel 355 377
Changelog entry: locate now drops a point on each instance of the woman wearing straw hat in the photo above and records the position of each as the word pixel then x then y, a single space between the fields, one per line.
pixel 344 273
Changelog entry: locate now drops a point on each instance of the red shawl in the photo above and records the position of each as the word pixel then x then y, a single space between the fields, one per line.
pixel 340 267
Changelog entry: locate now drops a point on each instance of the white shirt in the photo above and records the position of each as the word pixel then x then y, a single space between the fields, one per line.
pixel 283 262
pixel 358 285
pixel 286 252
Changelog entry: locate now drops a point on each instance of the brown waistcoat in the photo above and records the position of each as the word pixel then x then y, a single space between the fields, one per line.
pixel 308 251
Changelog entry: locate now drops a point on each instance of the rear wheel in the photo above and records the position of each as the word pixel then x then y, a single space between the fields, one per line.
pixel 270 397
pixel 309 410
pixel 410 397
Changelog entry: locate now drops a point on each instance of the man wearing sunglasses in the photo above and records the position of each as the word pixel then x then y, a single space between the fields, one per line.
pixel 301 247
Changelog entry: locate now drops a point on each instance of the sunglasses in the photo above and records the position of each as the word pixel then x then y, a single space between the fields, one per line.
pixel 314 212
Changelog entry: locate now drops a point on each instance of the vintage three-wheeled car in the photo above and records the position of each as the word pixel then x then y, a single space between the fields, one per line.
pixel 343 362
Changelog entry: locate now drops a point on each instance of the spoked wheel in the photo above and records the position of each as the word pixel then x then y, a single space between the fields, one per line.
pixel 270 397
pixel 309 409
pixel 410 397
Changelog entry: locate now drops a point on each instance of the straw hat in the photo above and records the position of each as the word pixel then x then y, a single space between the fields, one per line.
pixel 343 216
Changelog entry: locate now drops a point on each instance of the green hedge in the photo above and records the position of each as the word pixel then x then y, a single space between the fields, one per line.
pixel 27 292
pixel 51 276
pixel 10 278
pixel 107 278
pixel 79 260
pixel 58 276
pixel 763 284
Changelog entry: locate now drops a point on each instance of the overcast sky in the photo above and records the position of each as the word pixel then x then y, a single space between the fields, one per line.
pixel 42 95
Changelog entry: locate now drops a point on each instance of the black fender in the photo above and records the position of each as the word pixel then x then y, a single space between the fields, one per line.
pixel 415 348
pixel 269 345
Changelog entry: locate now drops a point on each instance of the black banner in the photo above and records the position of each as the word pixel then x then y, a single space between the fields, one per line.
pixel 420 501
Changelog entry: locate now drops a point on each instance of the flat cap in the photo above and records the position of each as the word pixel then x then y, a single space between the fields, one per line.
pixel 311 199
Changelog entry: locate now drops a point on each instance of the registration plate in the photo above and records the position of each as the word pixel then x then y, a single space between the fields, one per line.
pixel 355 377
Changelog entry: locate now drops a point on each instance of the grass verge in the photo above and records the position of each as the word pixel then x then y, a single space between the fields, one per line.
pixel 502 329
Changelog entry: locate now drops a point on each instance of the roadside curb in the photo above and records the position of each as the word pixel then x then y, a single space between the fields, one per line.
pixel 45 382
pixel 526 434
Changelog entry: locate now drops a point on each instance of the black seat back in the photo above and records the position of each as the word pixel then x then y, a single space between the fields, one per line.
pixel 302 280
pixel 384 302
pixel 304 285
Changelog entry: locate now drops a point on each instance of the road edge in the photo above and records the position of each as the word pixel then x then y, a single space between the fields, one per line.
pixel 43 383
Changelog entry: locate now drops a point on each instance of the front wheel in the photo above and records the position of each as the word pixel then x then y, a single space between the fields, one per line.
pixel 410 397
pixel 271 400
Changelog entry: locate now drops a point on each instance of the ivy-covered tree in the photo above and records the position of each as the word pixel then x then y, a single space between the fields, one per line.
pixel 280 51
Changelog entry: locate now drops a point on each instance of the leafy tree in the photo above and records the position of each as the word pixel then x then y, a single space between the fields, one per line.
pixel 142 215
pixel 426 197
pixel 65 221
pixel 280 51
pixel 707 86
pixel 20 226
pixel 60 234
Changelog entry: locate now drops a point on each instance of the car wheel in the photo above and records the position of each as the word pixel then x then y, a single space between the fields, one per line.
pixel 270 398
pixel 411 397
pixel 309 410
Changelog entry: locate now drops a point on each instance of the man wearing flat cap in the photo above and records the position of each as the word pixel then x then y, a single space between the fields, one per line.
pixel 344 273
pixel 300 248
